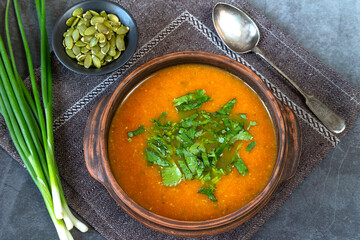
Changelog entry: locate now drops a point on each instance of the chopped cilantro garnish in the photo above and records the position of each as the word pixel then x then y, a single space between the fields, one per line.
pixel 240 165
pixel 209 191
pixel 191 101
pixel 250 146
pixel 194 147
pixel 171 175
pixel 138 131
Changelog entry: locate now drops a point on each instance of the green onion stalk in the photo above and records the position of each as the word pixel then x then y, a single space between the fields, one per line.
pixel 29 120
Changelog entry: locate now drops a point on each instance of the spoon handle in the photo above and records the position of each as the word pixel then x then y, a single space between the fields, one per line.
pixel 333 121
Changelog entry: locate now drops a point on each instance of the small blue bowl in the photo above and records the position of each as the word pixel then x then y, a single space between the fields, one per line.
pixel 131 38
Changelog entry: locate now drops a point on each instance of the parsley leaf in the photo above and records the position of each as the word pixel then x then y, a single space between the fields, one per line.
pixel 186 171
pixel 209 191
pixel 191 160
pixel 138 131
pixel 191 101
pixel 171 175
pixel 250 146
pixel 156 159
pixel 240 165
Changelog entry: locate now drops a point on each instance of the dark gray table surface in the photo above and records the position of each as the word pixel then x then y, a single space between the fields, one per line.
pixel 327 203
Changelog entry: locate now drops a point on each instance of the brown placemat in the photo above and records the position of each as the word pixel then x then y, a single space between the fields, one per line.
pixel 171 27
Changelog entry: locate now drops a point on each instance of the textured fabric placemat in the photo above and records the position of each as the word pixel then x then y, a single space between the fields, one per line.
pixel 170 26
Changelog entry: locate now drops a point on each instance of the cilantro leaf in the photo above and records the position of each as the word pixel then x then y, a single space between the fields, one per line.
pixel 191 101
pixel 138 131
pixel 186 171
pixel 242 135
pixel 159 146
pixel 243 116
pixel 191 161
pixel 171 175
pixel 225 110
pixel 252 123
pixel 209 191
pixel 156 159
pixel 240 165
pixel 251 146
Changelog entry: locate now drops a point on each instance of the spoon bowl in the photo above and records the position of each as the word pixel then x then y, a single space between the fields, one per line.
pixel 241 34
pixel 238 31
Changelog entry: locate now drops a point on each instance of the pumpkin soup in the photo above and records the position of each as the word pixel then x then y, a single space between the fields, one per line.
pixel 208 149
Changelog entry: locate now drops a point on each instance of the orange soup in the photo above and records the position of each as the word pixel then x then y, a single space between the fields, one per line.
pixel 143 181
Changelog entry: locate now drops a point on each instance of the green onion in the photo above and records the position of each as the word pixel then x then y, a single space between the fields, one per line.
pixel 30 122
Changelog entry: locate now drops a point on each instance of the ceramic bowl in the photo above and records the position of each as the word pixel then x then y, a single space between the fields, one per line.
pixel 131 38
pixel 96 156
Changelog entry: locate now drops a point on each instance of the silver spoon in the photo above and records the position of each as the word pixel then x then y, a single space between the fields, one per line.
pixel 240 33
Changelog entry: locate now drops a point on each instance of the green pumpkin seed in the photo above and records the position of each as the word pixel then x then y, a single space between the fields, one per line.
pixel 113 18
pixel 88 61
pixel 115 26
pixel 87 15
pixel 117 55
pixel 69 43
pixel 70 53
pixel 76 50
pixel 80 57
pixel 94 13
pixel 102 28
pixel 122 30
pixel 104 14
pixel 70 21
pixel 85 50
pixel 112 51
pixel 109 35
pixel 78 12
pixel 96 61
pixel 80 44
pixel 105 48
pixel 69 32
pixel 86 39
pixel 112 41
pixel 108 25
pixel 120 44
pixel 93 42
pixel 100 55
pixel 81 29
pixel 97 19
pixel 63 42
pixel 75 35
pixel 75 22
pixel 101 37
pixel 108 58
pixel 81 63
pixel 90 31
pixel 95 49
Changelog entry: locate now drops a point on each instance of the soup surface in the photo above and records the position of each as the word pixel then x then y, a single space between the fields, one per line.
pixel 155 95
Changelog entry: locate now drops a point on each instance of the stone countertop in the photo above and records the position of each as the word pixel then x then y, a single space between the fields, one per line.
pixel 325 206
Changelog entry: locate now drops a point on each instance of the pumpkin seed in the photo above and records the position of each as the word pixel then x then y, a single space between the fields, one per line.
pixel 84 49
pixel 95 49
pixel 108 58
pixel 96 61
pixel 70 21
pixel 100 55
pixel 117 55
pixel 80 44
pixel 120 44
pixel 93 42
pixel 88 61
pixel 81 29
pixel 86 39
pixel 102 28
pixel 76 50
pixel 122 30
pixel 97 19
pixel 112 41
pixel 80 57
pixel 105 48
pixel 113 18
pixel 94 13
pixel 77 12
pixel 112 51
pixel 90 31
pixel 104 14
pixel 87 15
pixel 70 53
pixel 101 37
pixel 75 35
pixel 69 43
